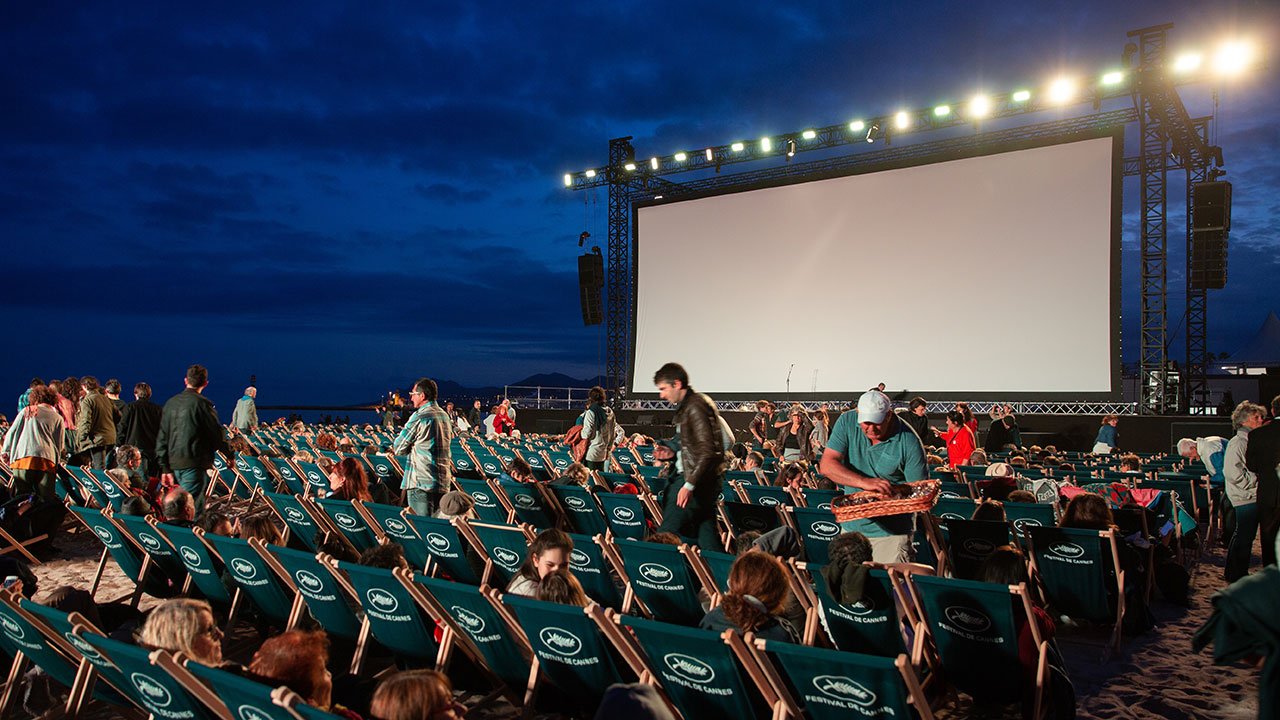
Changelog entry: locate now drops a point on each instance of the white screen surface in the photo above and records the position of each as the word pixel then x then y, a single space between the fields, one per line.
pixel 988 274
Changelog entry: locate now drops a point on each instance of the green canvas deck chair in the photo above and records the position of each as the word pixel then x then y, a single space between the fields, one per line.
pixel 697 670
pixel 955 490
pixel 766 495
pixel 87 489
pixel 954 508
pixel 132 563
pixel 202 567
pixel 525 502
pixel 589 566
pixel 386 469
pixel 251 700
pixel 537 463
pixel 254 473
pixel 472 624
pixel 717 565
pixel 115 494
pixel 624 514
pixel 744 517
pixel 826 684
pixel 346 519
pixel 969 542
pixel 315 478
pixel 1079 571
pixel 392 615
pixel 464 464
pixel 487 507
pixel 559 459
pixel 1029 515
pixel 505 548
pixel 624 460
pixel 581 512
pixel 660 578
pixel 299 523
pixel 489 464
pixel 446 548
pixel 871 626
pixel 154 680
pixel 323 593
pixel 610 480
pixel 390 522
pixel 153 545
pixel 819 499
pixel 273 595
pixel 292 478
pixel 568 649
pixel 816 528
pixel 974 626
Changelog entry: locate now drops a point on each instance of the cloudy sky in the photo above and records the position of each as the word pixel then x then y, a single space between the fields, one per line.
pixel 339 197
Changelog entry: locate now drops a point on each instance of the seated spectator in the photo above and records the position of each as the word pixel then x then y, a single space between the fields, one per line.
pixel 129 459
pixel 1088 512
pixel 1018 461
pixel 186 626
pixel 562 587
pixel 387 556
pixel 240 446
pixel 792 476
pixel 758 592
pixel 118 619
pixel 668 538
pixel 990 510
pixel 1130 463
pixel 519 470
pixel 304 456
pixel 1006 565
pixel 135 505
pixel 999 482
pixel 297 660
pixel 933 461
pixel 327 442
pixel 548 553
pixel 978 457
pixel 755 463
pixel 416 695
pixel 262 528
pixel 178 508
pixel 335 546
pixel 217 523
pixel 347 481
pixel 575 474
pixel 455 504
pixel 1021 496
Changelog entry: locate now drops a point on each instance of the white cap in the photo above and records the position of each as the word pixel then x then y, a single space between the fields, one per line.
pixel 873 407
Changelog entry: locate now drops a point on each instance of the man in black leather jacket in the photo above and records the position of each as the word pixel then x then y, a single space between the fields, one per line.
pixel 691 511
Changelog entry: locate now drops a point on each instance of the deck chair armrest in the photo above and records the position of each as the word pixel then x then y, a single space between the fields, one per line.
pixel 1042 679
pixel 191 683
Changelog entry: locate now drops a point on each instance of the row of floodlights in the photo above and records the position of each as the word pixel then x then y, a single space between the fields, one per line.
pixel 1230 59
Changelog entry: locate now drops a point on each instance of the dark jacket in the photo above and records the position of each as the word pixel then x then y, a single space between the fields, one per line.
pixel 95 423
pixel 918 423
pixel 802 439
pixel 139 425
pixel 189 433
pixel 701 446
pixel 475 419
pixel 1261 457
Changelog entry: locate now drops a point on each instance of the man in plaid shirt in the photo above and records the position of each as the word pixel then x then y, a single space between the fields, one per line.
pixel 425 438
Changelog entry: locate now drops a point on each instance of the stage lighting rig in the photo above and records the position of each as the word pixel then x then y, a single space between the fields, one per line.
pixel 583 237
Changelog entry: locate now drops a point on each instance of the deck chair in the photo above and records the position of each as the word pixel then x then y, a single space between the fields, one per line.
pixel 315 478
pixel 135 566
pixel 324 594
pixel 718 566
pixel 487 507
pixel 743 517
pixel 624 459
pixel 390 522
pixel 294 515
pixel 273 595
pixel 392 614
pixel 114 492
pixel 446 548
pixel 816 528
pixel 582 513
pixel 560 460
pixel 525 502
pixel 292 478
pixel 624 514
pixel 152 543
pixel 589 566
pixel 347 520
pixel 974 626
pixel 1025 515
pixel 488 463
pixel 955 490
pixel 834 685
pixel 659 577
pixel 872 626
pixel 159 684
pixel 203 568
pixel 251 700
pixel 766 495
pixel 567 646
pixel 954 508
pixel 505 547
pixel 697 670
pixel 819 499
pixel 1080 573
pixel 255 474
pixel 969 542
pixel 387 468
pixel 88 491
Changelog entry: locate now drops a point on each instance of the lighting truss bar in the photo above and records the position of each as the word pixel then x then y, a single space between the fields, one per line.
pixel 979 408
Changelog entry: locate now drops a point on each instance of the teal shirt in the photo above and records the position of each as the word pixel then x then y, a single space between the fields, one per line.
pixel 898 458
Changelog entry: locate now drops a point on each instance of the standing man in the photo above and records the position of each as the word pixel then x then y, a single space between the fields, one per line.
pixel 475 418
pixel 1262 457
pixel 139 426
pixel 245 417
pixel 598 427
pixel 873 451
pixel 95 424
pixel 113 394
pixel 189 436
pixel 916 416
pixel 691 512
pixel 761 422
pixel 427 435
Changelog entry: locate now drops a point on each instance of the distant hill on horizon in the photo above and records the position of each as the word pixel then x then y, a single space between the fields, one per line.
pixel 449 389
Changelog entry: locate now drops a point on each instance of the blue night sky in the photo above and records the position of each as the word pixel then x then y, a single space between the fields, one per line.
pixel 341 197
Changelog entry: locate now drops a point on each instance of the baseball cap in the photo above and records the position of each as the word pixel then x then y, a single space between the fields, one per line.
pixel 873 407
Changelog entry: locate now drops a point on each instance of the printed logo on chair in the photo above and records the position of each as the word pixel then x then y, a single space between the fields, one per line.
pixel 482 499
pixel 952 516
pixel 295 515
pixel 259 472
pixel 825 529
pixel 845 689
pixel 768 501
pixel 967 619
pixel 753 523
pixel 149 541
pixel 560 641
pixel 471 622
pixel 382 600
pixel 1067 550
pixel 308 582
pixel 490 466
pixel 579 559
pixel 395 527
pixel 575 503
pixel 152 692
pixel 345 520
pixel 243 569
pixel 865 606
pixel 249 712
pixel 525 501
pixel 437 542
pixel 104 534
pixel 624 514
pixel 978 546
pixel 87 650
pixel 1024 523
pixel 689 668
pixel 189 556
pixel 654 572
pixel 241 464
pixel 314 477
pixel 11 628
pixel 508 559
pixel 824 506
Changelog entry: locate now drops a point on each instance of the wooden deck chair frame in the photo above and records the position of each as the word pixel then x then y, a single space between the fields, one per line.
pixel 324 523
pixel 237 597
pixel 613 461
pixel 693 555
pixel 135 596
pixel 466 528
pixel 1117 636
pixel 611 556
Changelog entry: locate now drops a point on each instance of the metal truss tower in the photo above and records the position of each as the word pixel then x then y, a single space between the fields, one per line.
pixel 618 272
pixel 1196 380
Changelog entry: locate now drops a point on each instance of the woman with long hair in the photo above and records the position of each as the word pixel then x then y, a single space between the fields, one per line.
pixel 348 481
pixel 757 597
pixel 548 553
pixel 297 659
pixel 562 587
pixel 793 438
pixel 416 695
pixel 34 444
pixel 960 440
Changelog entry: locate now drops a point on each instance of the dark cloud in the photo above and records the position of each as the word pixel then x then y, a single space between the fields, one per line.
pixel 450 194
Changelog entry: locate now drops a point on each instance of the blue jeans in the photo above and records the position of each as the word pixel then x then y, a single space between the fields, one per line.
pixel 1241 549
pixel 422 502
pixel 194 481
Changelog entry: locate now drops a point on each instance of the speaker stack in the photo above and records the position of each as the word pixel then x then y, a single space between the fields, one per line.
pixel 590 285
pixel 1210 223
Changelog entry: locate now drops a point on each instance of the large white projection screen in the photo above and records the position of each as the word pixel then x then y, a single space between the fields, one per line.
pixel 989 274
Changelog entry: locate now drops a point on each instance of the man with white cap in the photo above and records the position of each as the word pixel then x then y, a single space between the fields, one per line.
pixel 873 451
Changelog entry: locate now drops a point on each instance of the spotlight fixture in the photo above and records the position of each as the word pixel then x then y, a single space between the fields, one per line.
pixel 857 126
pixel 653 163
pixel 591 173
pixel 1232 58
pixel 583 237
pixel 568 180
pixel 1022 96
pixel 1114 77
pixel 1187 62
pixel 1061 90
pixel 629 167
pixel 681 157
pixel 942 111
pixel 710 156
pixel 979 106
pixel 902 120
pixel 871 133
pixel 791 149
pixel 737 147
pixel 808 134
pixel 766 145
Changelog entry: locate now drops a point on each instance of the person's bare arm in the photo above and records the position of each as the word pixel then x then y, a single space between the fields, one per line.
pixel 833 468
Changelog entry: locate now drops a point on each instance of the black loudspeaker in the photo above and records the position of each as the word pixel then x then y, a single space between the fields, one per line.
pixel 590 283
pixel 1210 223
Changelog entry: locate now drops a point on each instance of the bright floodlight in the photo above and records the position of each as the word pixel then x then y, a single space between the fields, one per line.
pixel 681 157
pixel 942 111
pixel 568 180
pixel 808 134
pixel 653 163
pixel 629 167
pixel 591 173
pixel 979 106
pixel 1113 78
pixel 1022 96
pixel 710 156
pixel 766 144
pixel 737 147
pixel 1061 90
pixel 1232 58
pixel 857 126
pixel 1187 62
pixel 903 120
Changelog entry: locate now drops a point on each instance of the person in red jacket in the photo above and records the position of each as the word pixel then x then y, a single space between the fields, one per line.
pixel 960 439
pixel 502 422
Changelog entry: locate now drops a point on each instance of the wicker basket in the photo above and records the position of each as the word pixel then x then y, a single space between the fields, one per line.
pixel 856 507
